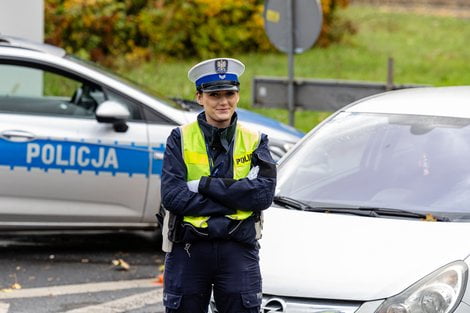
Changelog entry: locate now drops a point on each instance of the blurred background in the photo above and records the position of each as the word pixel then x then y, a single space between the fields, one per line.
pixel 155 42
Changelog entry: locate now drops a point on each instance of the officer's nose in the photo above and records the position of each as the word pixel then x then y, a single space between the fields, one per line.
pixel 224 100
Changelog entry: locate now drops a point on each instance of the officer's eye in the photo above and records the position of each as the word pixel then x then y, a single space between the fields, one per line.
pixel 214 94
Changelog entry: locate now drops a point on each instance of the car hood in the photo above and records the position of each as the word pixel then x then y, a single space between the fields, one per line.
pixel 271 127
pixel 335 256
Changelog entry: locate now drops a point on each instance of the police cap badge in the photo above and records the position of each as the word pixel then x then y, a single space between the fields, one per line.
pixel 216 74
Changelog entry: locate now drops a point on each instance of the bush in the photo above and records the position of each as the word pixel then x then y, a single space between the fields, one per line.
pixel 135 30
pixel 98 30
pixel 204 28
pixel 333 28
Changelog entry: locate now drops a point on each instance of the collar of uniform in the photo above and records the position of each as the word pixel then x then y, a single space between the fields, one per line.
pixel 213 134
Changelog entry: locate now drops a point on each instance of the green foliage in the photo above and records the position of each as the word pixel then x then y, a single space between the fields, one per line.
pixel 125 31
pixel 94 29
pixel 203 28
pixel 427 49
pixel 334 27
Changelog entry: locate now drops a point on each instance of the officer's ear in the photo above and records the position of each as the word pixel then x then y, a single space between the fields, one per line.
pixel 199 97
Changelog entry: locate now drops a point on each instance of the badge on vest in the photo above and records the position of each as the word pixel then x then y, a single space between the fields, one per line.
pixel 243 159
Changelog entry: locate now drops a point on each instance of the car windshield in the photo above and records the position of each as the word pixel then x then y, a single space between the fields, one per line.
pixel 127 81
pixel 404 162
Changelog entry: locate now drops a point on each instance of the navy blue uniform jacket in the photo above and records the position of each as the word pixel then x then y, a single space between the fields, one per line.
pixel 219 194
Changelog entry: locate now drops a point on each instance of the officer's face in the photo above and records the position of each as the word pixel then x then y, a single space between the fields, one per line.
pixel 219 106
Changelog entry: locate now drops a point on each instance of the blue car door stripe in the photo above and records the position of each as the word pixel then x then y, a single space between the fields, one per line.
pixel 81 156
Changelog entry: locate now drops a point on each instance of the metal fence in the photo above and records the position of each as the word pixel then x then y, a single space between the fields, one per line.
pixel 315 94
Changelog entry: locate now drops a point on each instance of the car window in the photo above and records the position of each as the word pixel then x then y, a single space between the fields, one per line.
pixel 153 117
pixel 339 151
pixel 31 90
pixel 133 107
pixel 140 87
pixel 395 161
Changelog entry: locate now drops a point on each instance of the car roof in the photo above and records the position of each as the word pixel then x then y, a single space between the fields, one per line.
pixel 432 101
pixel 16 42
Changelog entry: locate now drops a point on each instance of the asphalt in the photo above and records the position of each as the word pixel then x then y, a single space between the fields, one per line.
pixel 63 272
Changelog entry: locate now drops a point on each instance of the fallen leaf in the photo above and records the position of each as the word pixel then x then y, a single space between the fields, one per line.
pixel 159 279
pixel 121 264
pixel 430 218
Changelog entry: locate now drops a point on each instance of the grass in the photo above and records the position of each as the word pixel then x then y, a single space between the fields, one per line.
pixel 427 49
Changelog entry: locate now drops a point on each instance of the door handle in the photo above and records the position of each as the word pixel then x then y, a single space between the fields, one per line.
pixel 17 135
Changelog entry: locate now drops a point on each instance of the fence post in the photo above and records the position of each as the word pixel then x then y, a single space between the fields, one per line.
pixel 390 74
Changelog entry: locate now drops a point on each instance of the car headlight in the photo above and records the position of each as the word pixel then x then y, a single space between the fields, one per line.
pixel 439 292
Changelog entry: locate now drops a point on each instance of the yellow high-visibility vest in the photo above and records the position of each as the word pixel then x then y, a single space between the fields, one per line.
pixel 195 156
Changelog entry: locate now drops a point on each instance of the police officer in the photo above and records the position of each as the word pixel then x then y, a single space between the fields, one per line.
pixel 218 176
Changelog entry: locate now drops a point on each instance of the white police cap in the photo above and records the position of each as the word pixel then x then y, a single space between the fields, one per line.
pixel 216 74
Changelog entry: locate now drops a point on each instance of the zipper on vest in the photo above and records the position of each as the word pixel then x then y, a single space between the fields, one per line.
pixel 209 155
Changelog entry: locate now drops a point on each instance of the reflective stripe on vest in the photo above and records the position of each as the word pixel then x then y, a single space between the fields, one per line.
pixel 196 158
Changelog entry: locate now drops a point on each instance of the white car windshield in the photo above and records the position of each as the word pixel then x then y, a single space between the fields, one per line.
pixel 404 162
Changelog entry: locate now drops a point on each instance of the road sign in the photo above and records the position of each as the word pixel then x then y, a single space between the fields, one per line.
pixel 306 23
pixel 292 26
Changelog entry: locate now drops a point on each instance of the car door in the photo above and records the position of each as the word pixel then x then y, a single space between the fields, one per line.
pixel 159 128
pixel 57 162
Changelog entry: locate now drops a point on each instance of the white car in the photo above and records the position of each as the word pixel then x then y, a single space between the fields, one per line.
pixel 372 211
pixel 81 148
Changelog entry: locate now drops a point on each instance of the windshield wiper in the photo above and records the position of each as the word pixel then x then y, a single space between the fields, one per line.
pixel 404 213
pixel 288 202
pixel 291 203
pixel 355 210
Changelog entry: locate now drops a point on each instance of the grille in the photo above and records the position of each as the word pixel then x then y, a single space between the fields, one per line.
pixel 272 304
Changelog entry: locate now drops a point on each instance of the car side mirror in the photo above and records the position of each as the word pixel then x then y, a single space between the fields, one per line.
pixel 115 113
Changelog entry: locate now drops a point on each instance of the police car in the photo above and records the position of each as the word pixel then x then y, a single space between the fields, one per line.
pixel 374 207
pixel 81 147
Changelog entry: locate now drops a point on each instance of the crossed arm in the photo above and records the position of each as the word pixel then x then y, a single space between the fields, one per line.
pixel 216 196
